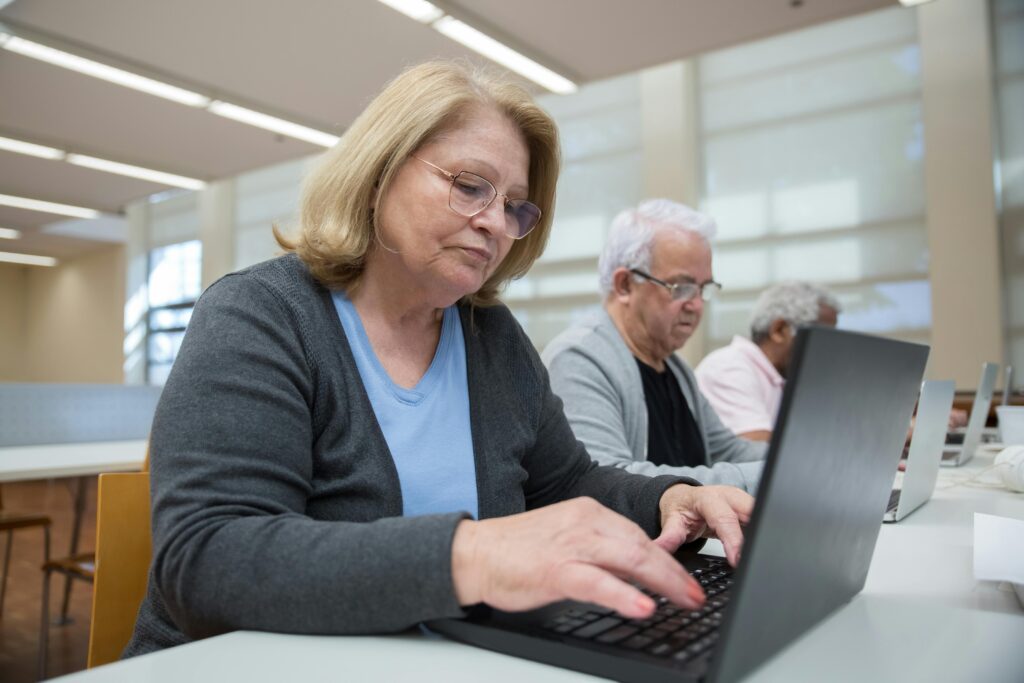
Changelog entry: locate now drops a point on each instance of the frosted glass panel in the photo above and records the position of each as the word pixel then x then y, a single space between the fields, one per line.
pixel 607 132
pixel 174 220
pixel 830 172
pixel 1009 36
pixel 546 322
pixel 811 45
pixel 611 93
pixel 887 251
pixel 891 72
pixel 882 308
pixel 1011 140
pixel 264 198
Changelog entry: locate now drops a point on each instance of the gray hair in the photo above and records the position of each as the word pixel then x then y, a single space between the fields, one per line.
pixel 632 233
pixel 798 303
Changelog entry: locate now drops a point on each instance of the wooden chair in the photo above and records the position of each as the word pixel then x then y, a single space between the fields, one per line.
pixel 11 521
pixel 117 569
pixel 124 549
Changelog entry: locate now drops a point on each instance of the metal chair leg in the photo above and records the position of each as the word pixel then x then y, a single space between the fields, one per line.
pixel 44 618
pixel 7 566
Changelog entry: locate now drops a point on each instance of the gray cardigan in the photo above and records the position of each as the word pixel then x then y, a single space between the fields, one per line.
pixel 276 504
pixel 596 376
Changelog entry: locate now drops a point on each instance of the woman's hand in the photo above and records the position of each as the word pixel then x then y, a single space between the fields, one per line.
pixel 689 512
pixel 576 550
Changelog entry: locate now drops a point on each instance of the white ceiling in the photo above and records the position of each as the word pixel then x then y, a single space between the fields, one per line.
pixel 313 61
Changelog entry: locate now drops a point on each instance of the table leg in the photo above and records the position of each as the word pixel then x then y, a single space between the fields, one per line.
pixel 76 527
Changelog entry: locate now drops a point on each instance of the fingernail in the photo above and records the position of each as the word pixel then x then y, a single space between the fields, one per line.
pixel 645 605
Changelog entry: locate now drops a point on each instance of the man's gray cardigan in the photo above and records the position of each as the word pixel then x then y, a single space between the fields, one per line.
pixel 276 504
pixel 596 376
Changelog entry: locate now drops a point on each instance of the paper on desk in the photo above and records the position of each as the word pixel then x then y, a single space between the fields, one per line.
pixel 998 548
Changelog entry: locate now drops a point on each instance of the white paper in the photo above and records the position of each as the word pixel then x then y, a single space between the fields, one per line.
pixel 998 548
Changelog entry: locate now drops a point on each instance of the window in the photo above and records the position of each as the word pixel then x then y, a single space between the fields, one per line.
pixel 174 284
pixel 812 146
pixel 602 173
pixel 1008 22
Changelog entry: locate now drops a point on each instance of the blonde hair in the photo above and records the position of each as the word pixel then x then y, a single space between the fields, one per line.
pixel 337 222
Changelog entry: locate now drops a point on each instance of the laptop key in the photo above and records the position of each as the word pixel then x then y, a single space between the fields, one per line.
pixel 618 633
pixel 597 627
pixel 637 642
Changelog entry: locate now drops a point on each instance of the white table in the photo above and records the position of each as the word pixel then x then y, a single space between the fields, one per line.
pixel 921 617
pixel 53 461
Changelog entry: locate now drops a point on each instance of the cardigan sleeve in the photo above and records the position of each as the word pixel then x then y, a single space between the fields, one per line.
pixel 232 473
pixel 595 406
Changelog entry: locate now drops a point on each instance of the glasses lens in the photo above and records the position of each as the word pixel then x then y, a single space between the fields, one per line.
pixel 521 217
pixel 470 194
pixel 710 290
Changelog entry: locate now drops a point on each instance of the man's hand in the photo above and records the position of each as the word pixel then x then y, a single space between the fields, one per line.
pixel 689 512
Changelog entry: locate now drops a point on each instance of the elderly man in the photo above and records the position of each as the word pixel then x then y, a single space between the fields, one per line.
pixel 743 381
pixel 630 400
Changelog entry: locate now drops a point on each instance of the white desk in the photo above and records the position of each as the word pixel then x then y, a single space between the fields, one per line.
pixel 51 461
pixel 921 617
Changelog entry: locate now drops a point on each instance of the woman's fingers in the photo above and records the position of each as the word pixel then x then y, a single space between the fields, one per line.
pixel 642 561
pixel 576 550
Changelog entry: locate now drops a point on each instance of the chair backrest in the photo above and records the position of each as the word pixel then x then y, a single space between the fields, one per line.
pixel 124 548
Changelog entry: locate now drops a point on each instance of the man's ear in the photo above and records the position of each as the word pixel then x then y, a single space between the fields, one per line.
pixel 622 283
pixel 779 330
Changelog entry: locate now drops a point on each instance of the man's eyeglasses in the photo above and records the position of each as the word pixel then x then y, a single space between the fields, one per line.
pixel 470 194
pixel 683 291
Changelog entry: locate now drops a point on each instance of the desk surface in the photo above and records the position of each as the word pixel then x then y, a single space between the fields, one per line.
pixel 20 463
pixel 921 616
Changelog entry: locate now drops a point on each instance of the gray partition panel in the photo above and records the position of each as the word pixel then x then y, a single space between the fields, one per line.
pixel 33 414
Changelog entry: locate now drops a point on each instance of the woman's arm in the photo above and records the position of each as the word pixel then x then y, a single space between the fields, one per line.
pixel 232 475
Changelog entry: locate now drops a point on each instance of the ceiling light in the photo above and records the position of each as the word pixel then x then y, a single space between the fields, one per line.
pixel 136 172
pixel 21 147
pixel 912 3
pixel 489 47
pixel 420 10
pixel 272 123
pixel 67 60
pixel 27 259
pixel 9 234
pixel 48 207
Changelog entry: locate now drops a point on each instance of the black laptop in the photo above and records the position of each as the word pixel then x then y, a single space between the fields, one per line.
pixel 824 490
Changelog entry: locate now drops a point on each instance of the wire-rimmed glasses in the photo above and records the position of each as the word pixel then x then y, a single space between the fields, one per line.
pixel 470 194
pixel 683 291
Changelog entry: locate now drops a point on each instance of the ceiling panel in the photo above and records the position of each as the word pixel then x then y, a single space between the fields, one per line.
pixel 317 61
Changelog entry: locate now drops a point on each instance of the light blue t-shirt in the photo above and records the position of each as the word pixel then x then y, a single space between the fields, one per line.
pixel 427 427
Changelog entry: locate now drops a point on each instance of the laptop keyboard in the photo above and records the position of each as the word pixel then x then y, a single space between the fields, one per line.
pixel 671 632
pixel 894 499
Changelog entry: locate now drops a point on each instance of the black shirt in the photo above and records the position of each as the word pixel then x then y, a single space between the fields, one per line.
pixel 673 437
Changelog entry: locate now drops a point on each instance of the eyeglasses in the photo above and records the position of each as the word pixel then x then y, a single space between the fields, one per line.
pixel 470 194
pixel 683 291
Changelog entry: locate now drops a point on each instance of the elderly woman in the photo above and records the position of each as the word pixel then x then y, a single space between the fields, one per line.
pixel 356 437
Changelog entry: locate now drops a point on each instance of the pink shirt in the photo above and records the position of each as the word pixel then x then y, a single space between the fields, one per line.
pixel 742 386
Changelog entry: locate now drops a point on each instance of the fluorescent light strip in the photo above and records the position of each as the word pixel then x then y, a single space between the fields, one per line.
pixel 48 207
pixel 20 147
pixel 272 123
pixel 9 234
pixel 420 10
pixel 135 172
pixel 502 54
pixel 27 259
pixel 111 74
pixel 913 3
pixel 128 79
pixel 99 164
